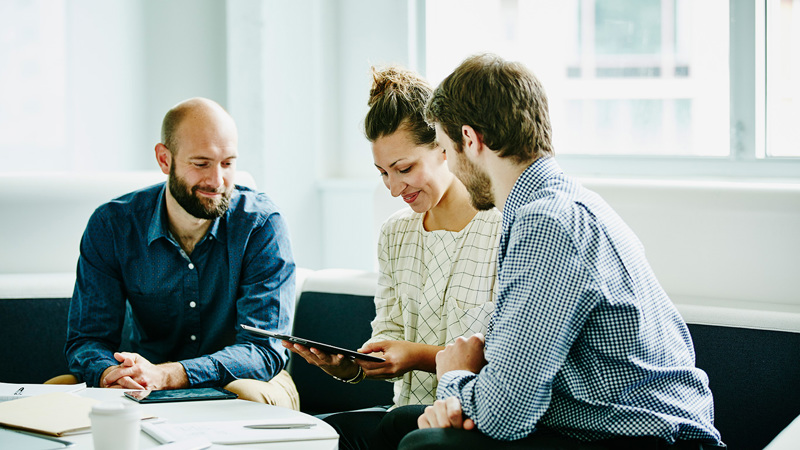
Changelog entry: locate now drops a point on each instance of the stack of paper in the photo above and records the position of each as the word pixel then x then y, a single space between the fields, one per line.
pixel 237 431
pixel 14 391
pixel 56 414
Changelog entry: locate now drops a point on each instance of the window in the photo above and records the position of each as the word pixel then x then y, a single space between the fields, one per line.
pixel 783 78
pixel 645 86
pixel 32 82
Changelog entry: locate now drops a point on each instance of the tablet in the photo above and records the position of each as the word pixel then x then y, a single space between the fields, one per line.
pixel 179 395
pixel 330 349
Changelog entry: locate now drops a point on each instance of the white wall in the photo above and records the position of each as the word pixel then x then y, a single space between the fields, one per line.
pixel 716 243
pixel 127 63
pixel 295 77
pixel 298 86
pixel 709 242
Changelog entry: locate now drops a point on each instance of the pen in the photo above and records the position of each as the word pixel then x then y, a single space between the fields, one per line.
pixel 279 426
pixel 19 391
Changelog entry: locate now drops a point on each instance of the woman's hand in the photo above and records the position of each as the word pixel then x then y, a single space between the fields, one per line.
pixel 335 365
pixel 400 356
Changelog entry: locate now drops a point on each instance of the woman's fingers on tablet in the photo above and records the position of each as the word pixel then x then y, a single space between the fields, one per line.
pixel 326 358
pixel 313 355
pixel 304 352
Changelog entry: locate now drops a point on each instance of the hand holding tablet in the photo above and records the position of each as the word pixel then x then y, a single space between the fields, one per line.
pixel 318 345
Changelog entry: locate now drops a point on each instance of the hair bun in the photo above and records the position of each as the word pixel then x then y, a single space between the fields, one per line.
pixel 398 97
pixel 392 79
pixel 382 81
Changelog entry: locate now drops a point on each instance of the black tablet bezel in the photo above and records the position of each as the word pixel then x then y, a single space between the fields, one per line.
pixel 180 395
pixel 330 349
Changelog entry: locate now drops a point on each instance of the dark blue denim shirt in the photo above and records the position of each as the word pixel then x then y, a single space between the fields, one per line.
pixel 183 308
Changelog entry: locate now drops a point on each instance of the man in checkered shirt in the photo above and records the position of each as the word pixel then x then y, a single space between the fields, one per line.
pixel 585 349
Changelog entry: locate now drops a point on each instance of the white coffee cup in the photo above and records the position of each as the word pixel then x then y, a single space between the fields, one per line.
pixel 115 425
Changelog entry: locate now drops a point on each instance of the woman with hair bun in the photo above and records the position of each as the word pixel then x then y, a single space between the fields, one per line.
pixel 437 259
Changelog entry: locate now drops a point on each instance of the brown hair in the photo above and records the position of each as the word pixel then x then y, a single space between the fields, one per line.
pixel 397 99
pixel 502 101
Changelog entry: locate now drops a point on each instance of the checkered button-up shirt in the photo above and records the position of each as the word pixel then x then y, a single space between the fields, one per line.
pixel 583 340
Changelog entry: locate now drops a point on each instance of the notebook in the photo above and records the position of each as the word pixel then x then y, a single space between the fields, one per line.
pixel 54 414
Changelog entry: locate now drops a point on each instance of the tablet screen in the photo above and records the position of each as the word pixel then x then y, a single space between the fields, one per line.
pixel 179 395
pixel 331 349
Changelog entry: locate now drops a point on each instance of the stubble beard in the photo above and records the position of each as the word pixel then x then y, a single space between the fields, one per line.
pixel 187 198
pixel 478 184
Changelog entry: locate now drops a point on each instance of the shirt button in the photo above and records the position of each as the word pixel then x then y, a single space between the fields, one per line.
pixel 192 304
pixel 191 266
pixel 193 337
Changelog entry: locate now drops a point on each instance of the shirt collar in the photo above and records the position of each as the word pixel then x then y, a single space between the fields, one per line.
pixel 159 225
pixel 530 181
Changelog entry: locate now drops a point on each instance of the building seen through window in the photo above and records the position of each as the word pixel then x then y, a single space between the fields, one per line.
pixel 783 78
pixel 623 77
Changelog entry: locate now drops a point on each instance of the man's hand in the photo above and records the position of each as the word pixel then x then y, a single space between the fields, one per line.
pixel 445 414
pixel 120 382
pixel 463 354
pixel 136 372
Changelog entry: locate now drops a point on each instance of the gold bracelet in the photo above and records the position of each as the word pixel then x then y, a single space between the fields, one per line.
pixel 355 380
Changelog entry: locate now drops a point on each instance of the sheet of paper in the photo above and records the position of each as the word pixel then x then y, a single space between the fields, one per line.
pixel 234 431
pixel 56 413
pixel 14 391
pixel 18 439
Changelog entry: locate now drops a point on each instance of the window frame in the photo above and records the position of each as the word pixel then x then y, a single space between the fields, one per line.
pixel 747 159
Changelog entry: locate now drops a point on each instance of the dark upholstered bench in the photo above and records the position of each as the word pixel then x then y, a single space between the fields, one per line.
pixel 752 357
pixel 336 307
pixel 754 376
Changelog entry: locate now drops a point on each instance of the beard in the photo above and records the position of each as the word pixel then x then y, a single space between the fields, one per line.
pixel 478 184
pixel 202 208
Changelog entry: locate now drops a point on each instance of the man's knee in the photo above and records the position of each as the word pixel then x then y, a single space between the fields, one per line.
pixel 279 391
pixel 62 379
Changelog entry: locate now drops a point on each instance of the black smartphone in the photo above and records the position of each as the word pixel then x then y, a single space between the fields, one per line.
pixel 179 395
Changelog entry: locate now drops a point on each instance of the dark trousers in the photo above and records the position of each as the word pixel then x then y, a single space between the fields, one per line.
pixel 398 429
pixel 360 430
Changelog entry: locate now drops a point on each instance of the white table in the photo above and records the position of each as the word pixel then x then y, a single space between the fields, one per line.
pixel 788 439
pixel 202 411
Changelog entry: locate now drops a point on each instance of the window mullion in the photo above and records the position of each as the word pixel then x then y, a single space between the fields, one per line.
pixel 743 78
pixel 761 77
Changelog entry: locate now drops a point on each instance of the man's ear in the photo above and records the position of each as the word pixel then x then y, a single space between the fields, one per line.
pixel 473 142
pixel 163 157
